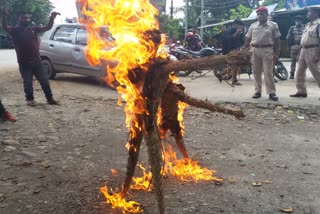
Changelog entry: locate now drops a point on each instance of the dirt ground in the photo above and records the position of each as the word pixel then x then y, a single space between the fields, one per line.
pixel 54 159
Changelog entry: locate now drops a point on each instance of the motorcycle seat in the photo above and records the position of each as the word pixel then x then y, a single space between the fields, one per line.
pixel 197 53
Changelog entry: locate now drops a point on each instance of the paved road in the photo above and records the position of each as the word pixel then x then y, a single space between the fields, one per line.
pixel 207 87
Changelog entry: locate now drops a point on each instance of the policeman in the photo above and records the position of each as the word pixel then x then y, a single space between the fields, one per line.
pixel 310 52
pixel 293 41
pixel 264 38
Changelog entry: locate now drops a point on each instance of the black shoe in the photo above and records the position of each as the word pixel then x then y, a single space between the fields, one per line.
pixel 298 95
pixel 30 102
pixel 256 95
pixel 291 75
pixel 52 101
pixel 273 97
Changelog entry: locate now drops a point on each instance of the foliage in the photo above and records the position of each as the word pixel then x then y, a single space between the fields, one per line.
pixel 39 9
pixel 221 9
pixel 172 27
pixel 240 12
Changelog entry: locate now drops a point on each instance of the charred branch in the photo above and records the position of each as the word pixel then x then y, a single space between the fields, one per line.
pixel 183 97
pixel 236 58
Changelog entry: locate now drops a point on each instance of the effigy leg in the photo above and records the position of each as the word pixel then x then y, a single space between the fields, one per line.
pixel 135 140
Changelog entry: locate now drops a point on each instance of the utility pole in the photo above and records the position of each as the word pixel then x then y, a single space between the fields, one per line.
pixel 171 10
pixel 186 17
pixel 201 16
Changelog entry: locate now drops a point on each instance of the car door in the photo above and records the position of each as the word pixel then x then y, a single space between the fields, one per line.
pixel 80 63
pixel 61 45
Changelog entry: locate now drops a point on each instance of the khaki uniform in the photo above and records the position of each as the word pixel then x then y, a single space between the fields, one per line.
pixel 310 49
pixel 294 39
pixel 262 40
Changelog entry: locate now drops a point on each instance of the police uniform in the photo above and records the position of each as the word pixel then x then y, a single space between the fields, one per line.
pixel 310 50
pixel 294 38
pixel 262 40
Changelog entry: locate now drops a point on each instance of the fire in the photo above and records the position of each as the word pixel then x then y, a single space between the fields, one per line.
pixel 181 105
pixel 186 169
pixel 144 182
pixel 117 39
pixel 117 201
pixel 127 21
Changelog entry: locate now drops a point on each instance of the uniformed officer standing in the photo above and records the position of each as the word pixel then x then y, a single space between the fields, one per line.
pixel 264 38
pixel 293 41
pixel 310 52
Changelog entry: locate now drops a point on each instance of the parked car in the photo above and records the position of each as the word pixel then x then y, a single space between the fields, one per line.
pixel 6 41
pixel 62 51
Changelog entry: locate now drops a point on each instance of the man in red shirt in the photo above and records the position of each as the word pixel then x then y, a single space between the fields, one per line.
pixel 25 38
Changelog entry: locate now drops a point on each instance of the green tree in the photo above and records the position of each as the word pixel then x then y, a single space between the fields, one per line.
pixel 221 9
pixel 39 9
pixel 171 27
pixel 240 12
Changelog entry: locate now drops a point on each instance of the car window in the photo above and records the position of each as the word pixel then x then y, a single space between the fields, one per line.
pixel 81 37
pixel 64 34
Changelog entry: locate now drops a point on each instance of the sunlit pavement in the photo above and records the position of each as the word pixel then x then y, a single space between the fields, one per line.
pixel 205 87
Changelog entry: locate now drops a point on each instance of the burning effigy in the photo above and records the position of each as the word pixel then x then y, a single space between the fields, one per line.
pixel 139 67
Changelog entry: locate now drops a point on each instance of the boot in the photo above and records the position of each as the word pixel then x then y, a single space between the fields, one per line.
pixel 52 101
pixel 291 75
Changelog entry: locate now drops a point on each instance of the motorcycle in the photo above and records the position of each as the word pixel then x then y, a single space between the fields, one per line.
pixel 221 72
pixel 279 70
pixel 182 53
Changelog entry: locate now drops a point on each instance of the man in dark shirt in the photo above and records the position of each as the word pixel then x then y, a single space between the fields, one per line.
pixel 25 38
pixel 233 38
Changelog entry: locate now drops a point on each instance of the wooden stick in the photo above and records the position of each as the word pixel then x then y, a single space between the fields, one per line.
pixel 183 97
pixel 239 58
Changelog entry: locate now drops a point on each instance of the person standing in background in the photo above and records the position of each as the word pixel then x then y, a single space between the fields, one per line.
pixel 310 52
pixel 263 37
pixel 293 42
pixel 25 38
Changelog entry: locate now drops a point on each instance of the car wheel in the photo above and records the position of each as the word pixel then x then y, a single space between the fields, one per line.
pixel 49 69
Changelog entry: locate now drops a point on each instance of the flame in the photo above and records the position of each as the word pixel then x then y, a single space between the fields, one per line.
pixel 144 182
pixel 186 169
pixel 181 105
pixel 118 202
pixel 117 40
pixel 114 172
pixel 127 21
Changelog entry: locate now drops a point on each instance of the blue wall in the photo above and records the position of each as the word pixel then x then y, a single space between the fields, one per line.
pixel 295 4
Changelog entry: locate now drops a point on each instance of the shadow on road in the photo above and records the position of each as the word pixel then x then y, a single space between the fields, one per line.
pixel 83 80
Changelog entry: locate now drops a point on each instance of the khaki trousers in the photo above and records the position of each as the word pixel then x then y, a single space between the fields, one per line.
pixel 262 61
pixel 306 60
pixel 294 51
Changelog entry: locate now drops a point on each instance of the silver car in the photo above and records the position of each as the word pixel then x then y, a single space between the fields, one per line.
pixel 62 51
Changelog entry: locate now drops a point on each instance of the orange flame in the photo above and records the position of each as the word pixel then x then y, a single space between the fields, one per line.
pixel 186 169
pixel 127 21
pixel 118 202
pixel 116 40
pixel 181 105
pixel 142 183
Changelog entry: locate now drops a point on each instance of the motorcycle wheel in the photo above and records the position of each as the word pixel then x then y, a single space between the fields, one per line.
pixel 280 71
pixel 184 73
